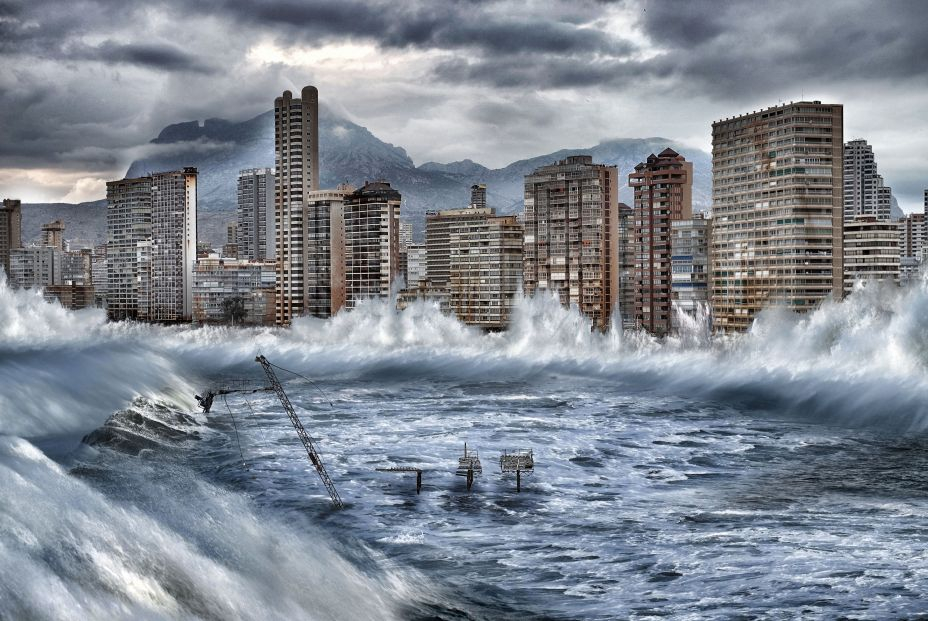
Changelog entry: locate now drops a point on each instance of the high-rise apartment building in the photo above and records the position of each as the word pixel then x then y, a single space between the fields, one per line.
pixel 405 242
pixel 438 225
pixel 174 244
pixel 663 187
pixel 53 234
pixel 11 231
pixel 913 230
pixel 98 271
pixel 255 212
pixel 624 312
pixel 478 195
pixel 486 270
pixel 128 223
pixel 777 207
pixel 236 291
pixel 324 247
pixel 405 235
pixel 570 243
pixel 690 265
pixel 372 221
pixel 415 265
pixel 864 192
pixel 35 266
pixel 871 251
pixel 77 267
pixel 296 146
pixel 151 246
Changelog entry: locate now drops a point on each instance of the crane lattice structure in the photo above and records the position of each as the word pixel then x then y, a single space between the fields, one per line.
pixel 300 431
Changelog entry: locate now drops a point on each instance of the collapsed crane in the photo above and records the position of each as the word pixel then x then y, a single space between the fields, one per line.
pixel 314 457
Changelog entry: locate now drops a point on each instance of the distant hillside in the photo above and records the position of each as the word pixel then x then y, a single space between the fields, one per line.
pixel 85 223
pixel 349 152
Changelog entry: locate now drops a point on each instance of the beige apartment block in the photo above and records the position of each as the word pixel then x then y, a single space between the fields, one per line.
pixel 485 270
pixel 777 207
pixel 438 226
pixel 571 241
pixel 53 234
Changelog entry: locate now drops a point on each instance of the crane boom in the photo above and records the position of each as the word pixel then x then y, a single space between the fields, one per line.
pixel 314 457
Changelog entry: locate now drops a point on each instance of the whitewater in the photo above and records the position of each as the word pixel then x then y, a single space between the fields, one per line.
pixel 775 474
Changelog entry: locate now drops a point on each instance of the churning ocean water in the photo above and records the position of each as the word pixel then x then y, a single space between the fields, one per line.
pixel 778 474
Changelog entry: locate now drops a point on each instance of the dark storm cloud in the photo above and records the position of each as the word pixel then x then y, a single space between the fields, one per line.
pixel 726 50
pixel 56 31
pixel 158 56
pixel 428 24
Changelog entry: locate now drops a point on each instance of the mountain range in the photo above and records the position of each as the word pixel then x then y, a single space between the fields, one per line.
pixel 347 152
pixel 350 152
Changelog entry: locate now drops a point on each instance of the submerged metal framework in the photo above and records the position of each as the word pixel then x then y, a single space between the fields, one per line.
pixel 314 457
pixel 518 461
pixel 468 466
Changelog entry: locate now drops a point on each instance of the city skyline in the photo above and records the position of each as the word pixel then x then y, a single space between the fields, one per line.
pixel 493 79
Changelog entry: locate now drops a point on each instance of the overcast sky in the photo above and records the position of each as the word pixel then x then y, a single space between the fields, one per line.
pixel 85 84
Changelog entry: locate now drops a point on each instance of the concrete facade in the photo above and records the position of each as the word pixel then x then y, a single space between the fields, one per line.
pixel 324 247
pixel 624 313
pixel 36 266
pixel 151 246
pixel 690 265
pixel 128 222
pixel 663 187
pixel 11 231
pixel 871 251
pixel 438 226
pixel 486 270
pixel 864 192
pixel 570 243
pixel 255 214
pixel 372 221
pixel 174 238
pixel 53 234
pixel 235 291
pixel 296 159
pixel 777 207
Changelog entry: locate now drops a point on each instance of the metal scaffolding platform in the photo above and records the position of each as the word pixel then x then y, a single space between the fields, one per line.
pixel 418 472
pixel 469 466
pixel 519 461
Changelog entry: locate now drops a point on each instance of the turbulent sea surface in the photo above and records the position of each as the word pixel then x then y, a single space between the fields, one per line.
pixel 778 474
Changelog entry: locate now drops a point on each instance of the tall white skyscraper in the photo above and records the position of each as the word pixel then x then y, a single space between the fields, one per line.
pixel 151 246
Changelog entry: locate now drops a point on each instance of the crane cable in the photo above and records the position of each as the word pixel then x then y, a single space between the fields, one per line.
pixel 312 383
pixel 235 427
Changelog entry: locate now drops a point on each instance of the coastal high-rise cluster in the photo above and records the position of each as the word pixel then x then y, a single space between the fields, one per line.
pixel 798 216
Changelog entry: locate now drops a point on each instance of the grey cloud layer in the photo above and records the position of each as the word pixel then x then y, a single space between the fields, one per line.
pixel 81 80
